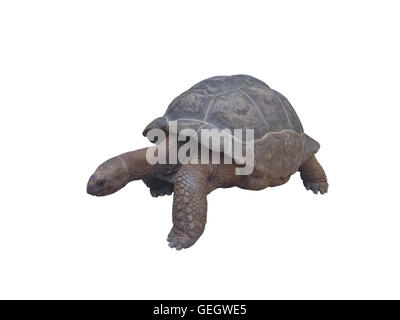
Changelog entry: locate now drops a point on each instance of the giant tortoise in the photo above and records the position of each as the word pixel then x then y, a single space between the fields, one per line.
pixel 281 148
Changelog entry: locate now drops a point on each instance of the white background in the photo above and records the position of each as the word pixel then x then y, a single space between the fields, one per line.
pixel 79 80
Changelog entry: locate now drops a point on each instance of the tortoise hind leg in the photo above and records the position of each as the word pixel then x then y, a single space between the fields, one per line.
pixel 190 206
pixel 158 187
pixel 313 176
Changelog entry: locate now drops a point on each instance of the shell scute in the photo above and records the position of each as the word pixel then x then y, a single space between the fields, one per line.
pixel 190 104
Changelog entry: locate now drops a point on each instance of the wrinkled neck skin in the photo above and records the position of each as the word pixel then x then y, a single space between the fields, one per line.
pixel 117 172
pixel 137 167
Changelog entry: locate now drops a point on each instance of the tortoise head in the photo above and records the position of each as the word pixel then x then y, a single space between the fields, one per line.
pixel 108 178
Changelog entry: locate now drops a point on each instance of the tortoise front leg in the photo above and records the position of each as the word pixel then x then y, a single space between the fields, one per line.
pixel 190 206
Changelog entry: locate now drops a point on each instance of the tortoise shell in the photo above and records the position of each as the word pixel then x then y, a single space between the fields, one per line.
pixel 231 102
pixel 243 102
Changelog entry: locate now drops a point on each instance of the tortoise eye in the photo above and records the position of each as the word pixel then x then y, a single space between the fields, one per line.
pixel 100 183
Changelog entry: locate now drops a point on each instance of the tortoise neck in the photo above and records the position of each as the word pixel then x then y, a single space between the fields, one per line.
pixel 137 166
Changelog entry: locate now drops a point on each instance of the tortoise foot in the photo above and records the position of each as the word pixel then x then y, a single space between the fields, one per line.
pixel 179 239
pixel 321 187
pixel 166 189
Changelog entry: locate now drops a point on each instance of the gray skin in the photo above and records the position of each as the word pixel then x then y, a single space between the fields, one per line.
pixel 281 148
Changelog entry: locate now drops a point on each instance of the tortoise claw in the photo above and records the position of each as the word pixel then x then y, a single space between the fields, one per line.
pixel 168 189
pixel 179 239
pixel 321 187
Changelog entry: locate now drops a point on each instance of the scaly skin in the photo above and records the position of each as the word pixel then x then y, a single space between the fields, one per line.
pixel 189 214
